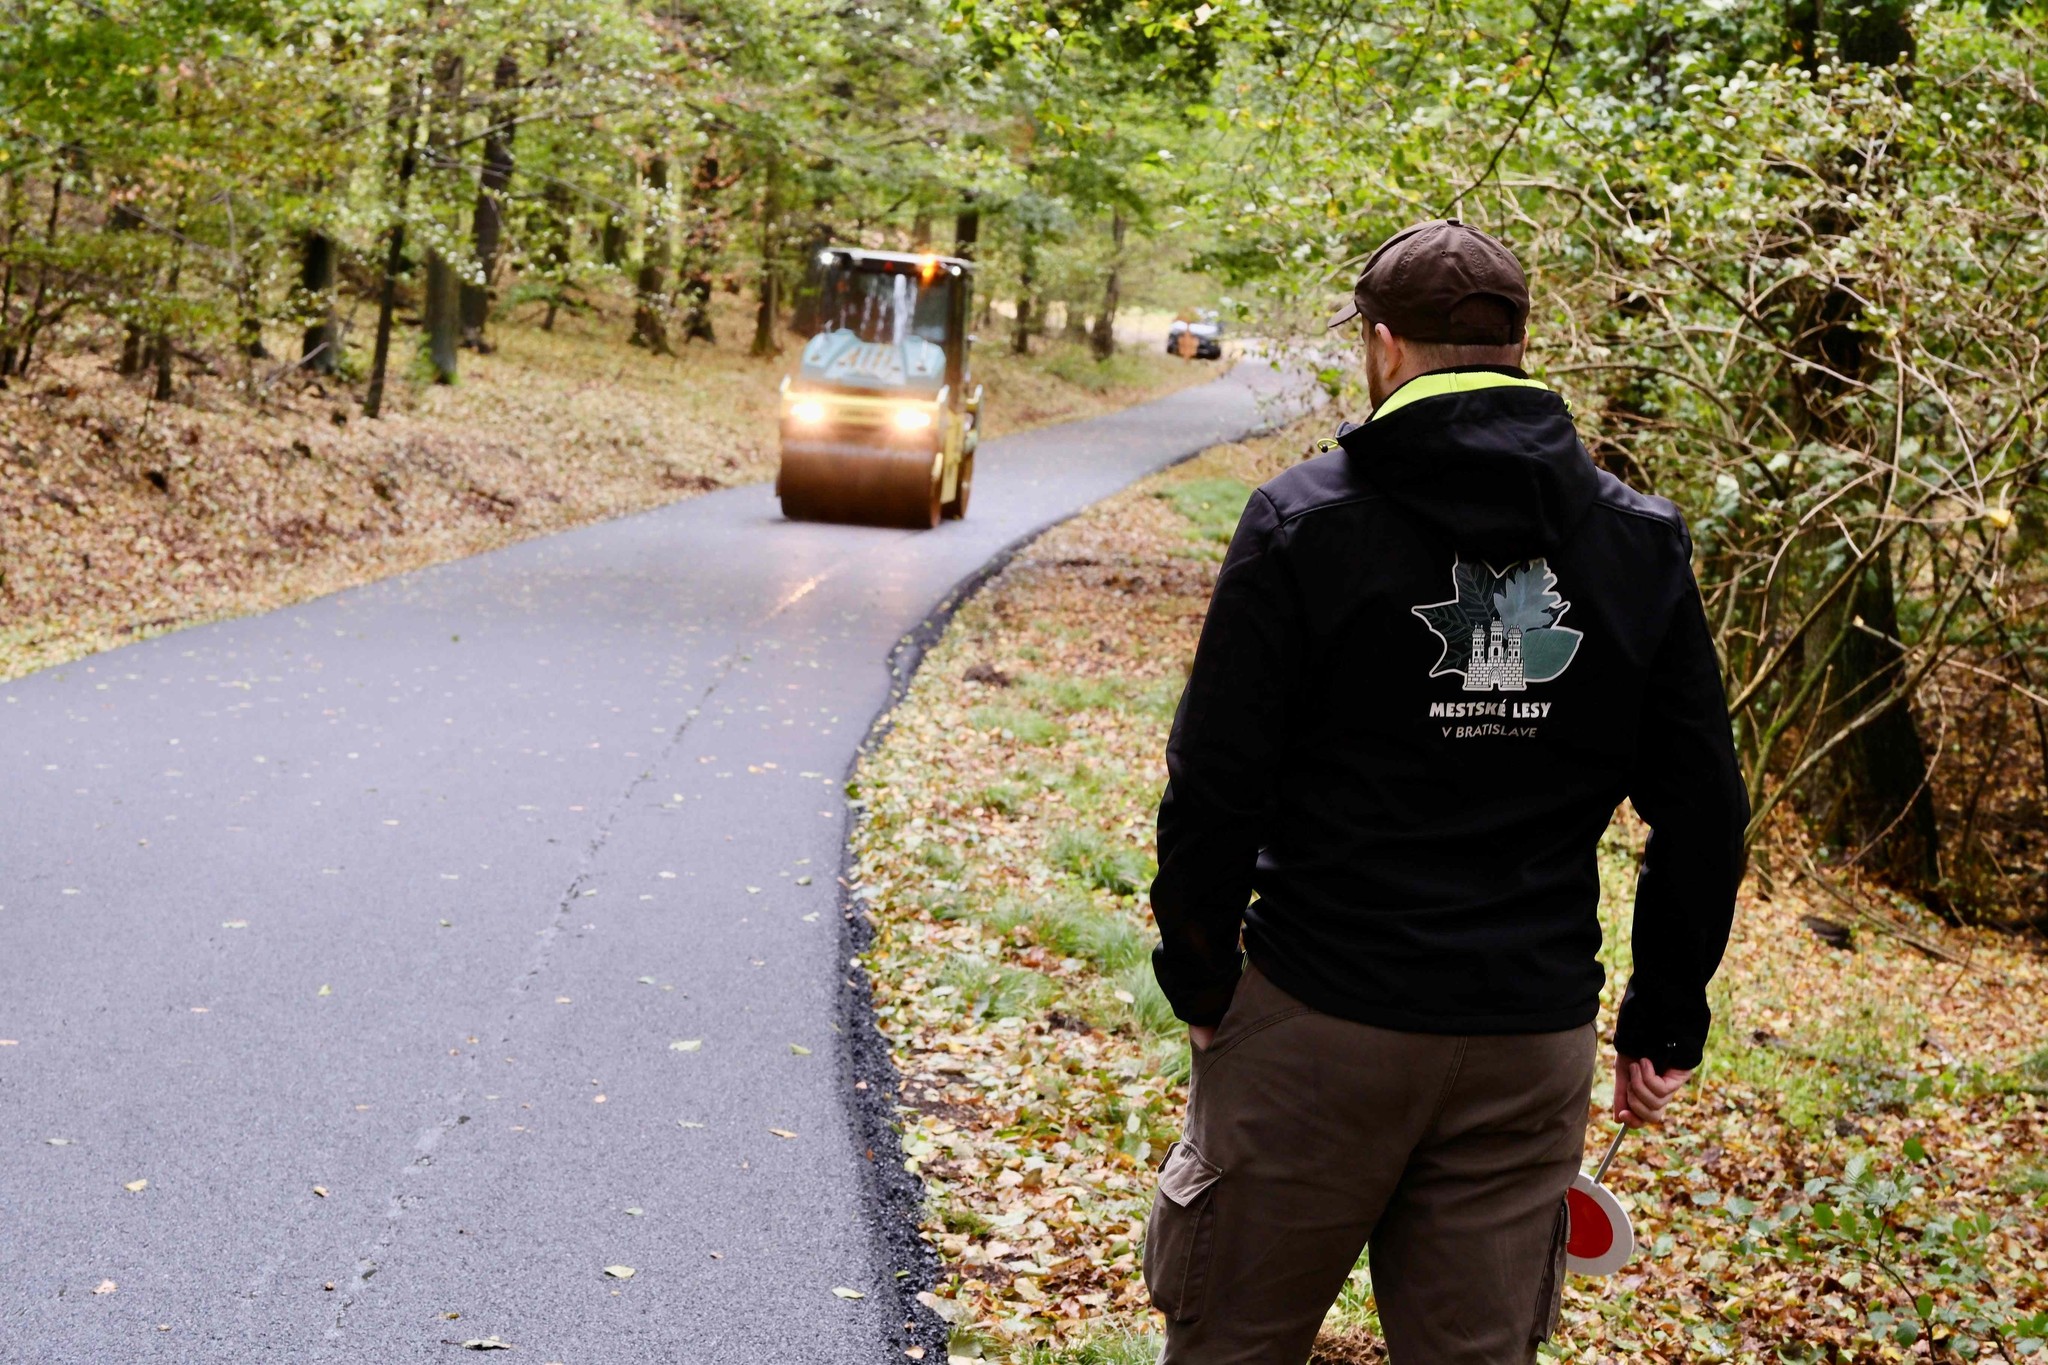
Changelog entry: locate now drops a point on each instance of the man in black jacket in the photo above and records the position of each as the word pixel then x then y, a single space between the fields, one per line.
pixel 1437 658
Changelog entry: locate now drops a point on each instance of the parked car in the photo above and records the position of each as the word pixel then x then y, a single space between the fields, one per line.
pixel 1201 339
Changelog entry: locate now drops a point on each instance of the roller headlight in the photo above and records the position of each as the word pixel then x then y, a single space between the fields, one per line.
pixel 913 419
pixel 808 411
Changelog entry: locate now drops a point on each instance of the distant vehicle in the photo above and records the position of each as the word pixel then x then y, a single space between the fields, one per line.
pixel 1201 339
pixel 880 422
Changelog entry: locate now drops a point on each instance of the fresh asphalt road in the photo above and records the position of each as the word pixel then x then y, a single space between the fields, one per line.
pixel 413 894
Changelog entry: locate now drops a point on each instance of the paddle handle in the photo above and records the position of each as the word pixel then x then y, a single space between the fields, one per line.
pixel 1608 1160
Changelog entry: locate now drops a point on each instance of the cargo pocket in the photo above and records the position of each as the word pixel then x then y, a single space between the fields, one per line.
pixel 1550 1294
pixel 1179 1233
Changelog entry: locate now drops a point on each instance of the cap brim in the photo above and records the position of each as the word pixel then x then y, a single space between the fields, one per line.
pixel 1349 312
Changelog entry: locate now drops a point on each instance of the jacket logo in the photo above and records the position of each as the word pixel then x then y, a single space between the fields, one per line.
pixel 1500 629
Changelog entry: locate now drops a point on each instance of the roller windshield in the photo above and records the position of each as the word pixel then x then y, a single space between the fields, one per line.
pixel 878 329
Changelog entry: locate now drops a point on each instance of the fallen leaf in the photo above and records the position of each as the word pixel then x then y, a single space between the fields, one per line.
pixel 645 980
pixel 635 1213
pixel 782 1132
pixel 843 1292
pixel 58 1142
pixel 686 1045
pixel 486 1344
pixel 234 924
pixel 685 1123
pixel 619 1272
pixel 105 1287
pixel 914 1352
pixel 136 1186
pixel 327 990
pixel 320 1190
pixel 799 1049
pixel 803 881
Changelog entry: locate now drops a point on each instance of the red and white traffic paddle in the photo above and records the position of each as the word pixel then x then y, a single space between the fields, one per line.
pixel 1598 1238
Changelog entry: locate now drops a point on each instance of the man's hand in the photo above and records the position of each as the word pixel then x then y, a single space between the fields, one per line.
pixel 1641 1091
pixel 1201 1035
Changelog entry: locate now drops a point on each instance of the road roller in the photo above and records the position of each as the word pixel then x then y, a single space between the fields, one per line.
pixel 880 421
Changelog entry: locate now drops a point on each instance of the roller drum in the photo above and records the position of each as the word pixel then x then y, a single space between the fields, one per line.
pixel 869 486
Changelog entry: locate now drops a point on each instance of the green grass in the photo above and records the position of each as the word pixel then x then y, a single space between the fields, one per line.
pixel 1068 695
pixel 1105 940
pixel 988 991
pixel 1090 857
pixel 1024 725
pixel 1112 1348
pixel 1210 506
pixel 1004 798
pixel 1078 367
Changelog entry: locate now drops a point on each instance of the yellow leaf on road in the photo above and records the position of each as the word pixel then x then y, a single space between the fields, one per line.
pixel 782 1132
pixel 136 1186
pixel 105 1287
pixel 619 1272
pixel 843 1292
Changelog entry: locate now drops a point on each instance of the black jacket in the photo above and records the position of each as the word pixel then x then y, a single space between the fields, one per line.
pixel 1419 828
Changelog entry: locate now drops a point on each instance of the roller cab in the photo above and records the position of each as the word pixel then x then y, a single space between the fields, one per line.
pixel 879 424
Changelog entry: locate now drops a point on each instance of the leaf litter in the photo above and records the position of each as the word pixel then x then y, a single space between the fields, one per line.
pixel 1003 853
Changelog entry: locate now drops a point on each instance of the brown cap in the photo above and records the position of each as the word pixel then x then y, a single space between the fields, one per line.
pixel 1443 281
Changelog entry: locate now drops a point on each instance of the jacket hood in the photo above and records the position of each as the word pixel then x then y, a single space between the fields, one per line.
pixel 1499 472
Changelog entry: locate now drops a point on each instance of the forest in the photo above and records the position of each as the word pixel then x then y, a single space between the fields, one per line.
pixel 1791 263
pixel 299 293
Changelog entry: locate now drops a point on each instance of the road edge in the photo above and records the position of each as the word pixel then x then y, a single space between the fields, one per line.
pixel 895 1194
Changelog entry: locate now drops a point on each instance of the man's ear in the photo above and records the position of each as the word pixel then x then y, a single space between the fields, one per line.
pixel 1389 347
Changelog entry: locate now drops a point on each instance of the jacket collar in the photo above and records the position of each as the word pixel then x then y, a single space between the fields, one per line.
pixel 1438 383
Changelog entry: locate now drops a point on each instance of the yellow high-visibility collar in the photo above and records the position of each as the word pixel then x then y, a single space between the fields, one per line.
pixel 1451 381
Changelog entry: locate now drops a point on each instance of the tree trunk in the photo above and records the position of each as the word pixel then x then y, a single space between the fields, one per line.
pixel 703 243
pixel 17 217
pixel 1103 341
pixel 488 225
pixel 1027 285
pixel 966 229
pixel 650 311
pixel 1884 803
pixel 1881 802
pixel 612 241
pixel 134 341
pixel 403 126
pixel 444 299
pixel 444 317
pixel 921 231
pixel 35 308
pixel 163 348
pixel 320 347
pixel 555 259
pixel 770 285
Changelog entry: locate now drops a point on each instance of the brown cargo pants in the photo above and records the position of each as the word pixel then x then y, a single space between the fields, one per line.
pixel 1310 1137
